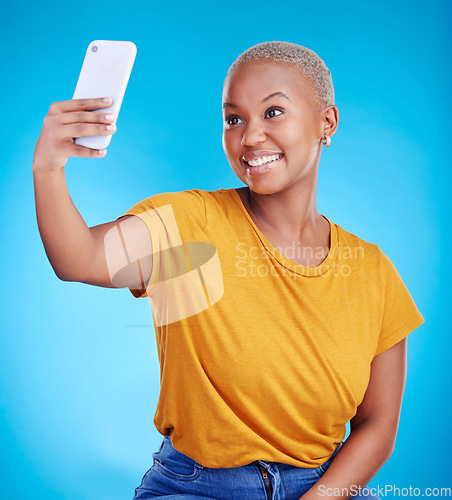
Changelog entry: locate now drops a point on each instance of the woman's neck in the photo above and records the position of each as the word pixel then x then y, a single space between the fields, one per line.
pixel 290 215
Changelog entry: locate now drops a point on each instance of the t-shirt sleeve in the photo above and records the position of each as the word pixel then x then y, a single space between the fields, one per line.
pixel 400 313
pixel 172 219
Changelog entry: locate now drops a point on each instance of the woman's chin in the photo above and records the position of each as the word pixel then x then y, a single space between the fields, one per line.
pixel 265 184
pixel 264 189
pixel 262 184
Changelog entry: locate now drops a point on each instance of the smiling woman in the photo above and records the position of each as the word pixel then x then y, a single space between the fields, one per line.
pixel 275 326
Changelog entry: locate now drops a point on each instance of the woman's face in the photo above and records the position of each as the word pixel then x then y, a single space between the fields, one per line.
pixel 273 126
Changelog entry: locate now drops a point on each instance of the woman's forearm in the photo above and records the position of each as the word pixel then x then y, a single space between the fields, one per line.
pixel 69 243
pixel 362 455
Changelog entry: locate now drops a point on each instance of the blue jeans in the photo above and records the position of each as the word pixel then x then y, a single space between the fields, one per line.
pixel 175 476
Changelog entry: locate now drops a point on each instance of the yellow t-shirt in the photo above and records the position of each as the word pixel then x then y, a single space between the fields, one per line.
pixel 261 357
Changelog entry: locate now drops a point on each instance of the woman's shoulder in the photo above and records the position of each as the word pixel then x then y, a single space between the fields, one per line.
pixel 188 198
pixel 354 245
pixel 194 194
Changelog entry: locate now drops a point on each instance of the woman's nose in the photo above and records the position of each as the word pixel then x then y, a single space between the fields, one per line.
pixel 254 134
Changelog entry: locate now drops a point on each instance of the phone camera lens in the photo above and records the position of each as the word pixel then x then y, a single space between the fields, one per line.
pixel 94 48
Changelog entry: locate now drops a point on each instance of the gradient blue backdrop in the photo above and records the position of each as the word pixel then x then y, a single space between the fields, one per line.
pixel 79 375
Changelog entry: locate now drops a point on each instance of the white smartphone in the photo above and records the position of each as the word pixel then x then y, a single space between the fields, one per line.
pixel 105 73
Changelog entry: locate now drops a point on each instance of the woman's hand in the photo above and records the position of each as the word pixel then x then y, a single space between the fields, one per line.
pixel 65 121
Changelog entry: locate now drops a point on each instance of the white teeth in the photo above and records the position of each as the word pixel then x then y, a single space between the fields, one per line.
pixel 257 162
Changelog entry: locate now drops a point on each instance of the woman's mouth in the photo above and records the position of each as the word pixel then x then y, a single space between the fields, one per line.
pixel 257 164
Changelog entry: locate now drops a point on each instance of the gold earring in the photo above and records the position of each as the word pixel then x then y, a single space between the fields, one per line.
pixel 326 141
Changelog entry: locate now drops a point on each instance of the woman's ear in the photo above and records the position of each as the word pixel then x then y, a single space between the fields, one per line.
pixel 330 121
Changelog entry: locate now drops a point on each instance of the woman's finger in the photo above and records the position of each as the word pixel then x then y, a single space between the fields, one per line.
pixel 80 105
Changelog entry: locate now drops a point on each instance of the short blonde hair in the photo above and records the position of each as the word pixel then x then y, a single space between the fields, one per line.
pixel 306 60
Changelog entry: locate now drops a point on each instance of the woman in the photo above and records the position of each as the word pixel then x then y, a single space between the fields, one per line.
pixel 275 327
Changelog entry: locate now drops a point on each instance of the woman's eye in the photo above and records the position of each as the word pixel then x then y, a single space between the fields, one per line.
pixel 233 120
pixel 272 112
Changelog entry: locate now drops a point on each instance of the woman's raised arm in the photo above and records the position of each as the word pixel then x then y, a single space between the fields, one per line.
pixel 97 255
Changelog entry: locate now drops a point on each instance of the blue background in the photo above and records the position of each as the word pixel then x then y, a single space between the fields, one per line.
pixel 79 374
